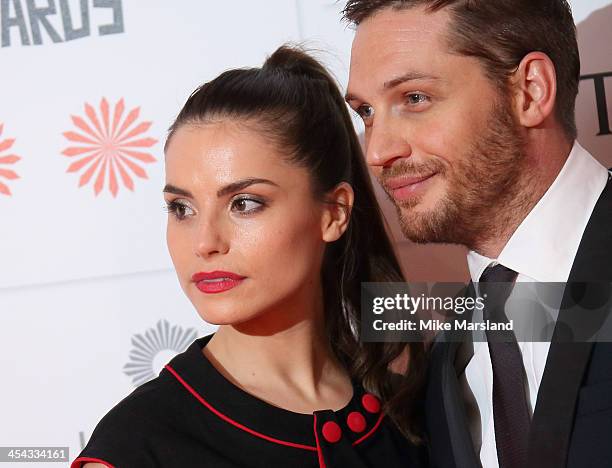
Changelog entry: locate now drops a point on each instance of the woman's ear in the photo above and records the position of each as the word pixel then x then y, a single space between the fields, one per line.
pixel 535 84
pixel 337 212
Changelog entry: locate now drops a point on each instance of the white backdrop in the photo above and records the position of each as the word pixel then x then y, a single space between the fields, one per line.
pixel 89 303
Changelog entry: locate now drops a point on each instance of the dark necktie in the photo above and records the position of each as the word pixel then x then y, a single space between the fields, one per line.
pixel 510 408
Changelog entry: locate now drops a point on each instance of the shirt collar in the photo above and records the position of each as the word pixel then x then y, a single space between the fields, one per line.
pixel 477 264
pixel 544 245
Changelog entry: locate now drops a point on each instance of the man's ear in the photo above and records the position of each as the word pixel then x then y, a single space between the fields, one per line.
pixel 535 88
pixel 337 212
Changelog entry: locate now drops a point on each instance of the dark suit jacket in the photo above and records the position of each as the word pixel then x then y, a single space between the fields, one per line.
pixel 572 420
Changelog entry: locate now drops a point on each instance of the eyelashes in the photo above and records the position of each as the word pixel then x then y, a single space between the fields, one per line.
pixel 256 205
pixel 365 111
pixel 243 206
pixel 177 210
pixel 417 98
pixel 414 101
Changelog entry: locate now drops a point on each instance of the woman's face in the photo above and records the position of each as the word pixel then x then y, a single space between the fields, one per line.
pixel 245 233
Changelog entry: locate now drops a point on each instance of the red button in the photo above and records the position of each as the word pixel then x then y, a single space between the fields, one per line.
pixel 371 403
pixel 356 422
pixel 331 432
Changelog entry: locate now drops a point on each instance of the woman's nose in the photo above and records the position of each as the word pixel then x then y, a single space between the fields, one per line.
pixel 211 239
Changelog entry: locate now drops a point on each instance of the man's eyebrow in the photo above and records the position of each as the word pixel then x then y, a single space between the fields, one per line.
pixel 348 97
pixel 410 76
pixel 230 188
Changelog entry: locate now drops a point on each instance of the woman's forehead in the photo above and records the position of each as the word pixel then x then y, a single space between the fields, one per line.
pixel 219 153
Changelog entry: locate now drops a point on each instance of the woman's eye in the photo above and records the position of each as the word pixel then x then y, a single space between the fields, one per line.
pixel 178 209
pixel 416 98
pixel 246 205
pixel 365 111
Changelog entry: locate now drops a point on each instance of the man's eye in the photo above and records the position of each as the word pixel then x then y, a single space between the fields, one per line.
pixel 365 111
pixel 416 98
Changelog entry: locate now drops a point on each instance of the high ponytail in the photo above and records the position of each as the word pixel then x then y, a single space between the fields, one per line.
pixel 294 101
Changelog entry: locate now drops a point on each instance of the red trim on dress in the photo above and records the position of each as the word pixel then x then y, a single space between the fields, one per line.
pixel 232 422
pixel 319 452
pixel 79 462
pixel 371 431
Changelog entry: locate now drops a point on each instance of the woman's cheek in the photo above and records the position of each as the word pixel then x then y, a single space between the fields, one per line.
pixel 182 253
pixel 297 253
pixel 174 249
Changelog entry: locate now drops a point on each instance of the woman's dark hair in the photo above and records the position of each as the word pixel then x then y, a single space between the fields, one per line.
pixel 295 102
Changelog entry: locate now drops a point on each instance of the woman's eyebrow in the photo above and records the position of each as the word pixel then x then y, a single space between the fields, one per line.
pixel 230 188
pixel 241 184
pixel 169 188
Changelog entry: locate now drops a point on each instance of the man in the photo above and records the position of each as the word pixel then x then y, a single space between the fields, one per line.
pixel 468 108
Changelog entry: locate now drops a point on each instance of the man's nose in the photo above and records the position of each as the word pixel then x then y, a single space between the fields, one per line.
pixel 385 144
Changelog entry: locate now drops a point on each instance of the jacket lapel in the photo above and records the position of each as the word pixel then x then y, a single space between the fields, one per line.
pixel 438 430
pixel 456 415
pixel 566 364
pixel 451 436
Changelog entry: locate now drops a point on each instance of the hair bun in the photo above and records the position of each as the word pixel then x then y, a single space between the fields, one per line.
pixel 295 60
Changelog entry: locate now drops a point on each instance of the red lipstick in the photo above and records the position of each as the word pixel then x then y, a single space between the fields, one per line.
pixel 217 281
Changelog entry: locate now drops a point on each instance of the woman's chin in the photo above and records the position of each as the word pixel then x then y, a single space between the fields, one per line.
pixel 224 318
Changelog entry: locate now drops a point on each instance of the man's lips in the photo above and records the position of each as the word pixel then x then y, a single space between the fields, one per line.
pixel 406 187
pixel 404 181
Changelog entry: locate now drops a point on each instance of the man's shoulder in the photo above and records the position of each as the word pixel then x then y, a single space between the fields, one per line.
pixel 593 261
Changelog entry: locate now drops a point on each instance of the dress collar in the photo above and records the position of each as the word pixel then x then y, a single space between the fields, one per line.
pixel 224 400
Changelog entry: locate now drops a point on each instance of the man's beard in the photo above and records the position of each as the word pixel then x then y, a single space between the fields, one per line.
pixel 486 188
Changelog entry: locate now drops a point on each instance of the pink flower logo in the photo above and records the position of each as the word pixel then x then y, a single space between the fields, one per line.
pixel 9 174
pixel 108 146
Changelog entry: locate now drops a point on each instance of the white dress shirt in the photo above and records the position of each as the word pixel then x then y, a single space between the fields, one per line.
pixel 542 249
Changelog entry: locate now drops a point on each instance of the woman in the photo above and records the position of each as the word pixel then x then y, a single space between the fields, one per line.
pixel 273 225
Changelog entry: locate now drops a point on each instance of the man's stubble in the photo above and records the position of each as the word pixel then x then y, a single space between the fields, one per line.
pixel 488 188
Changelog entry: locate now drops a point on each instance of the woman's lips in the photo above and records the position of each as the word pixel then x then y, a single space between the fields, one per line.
pixel 403 188
pixel 216 281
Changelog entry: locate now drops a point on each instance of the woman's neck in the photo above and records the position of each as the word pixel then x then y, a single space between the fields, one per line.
pixel 293 368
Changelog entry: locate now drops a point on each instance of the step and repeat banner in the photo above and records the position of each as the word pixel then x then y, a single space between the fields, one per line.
pixel 90 307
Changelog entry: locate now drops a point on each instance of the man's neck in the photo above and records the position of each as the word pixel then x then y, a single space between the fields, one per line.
pixel 545 159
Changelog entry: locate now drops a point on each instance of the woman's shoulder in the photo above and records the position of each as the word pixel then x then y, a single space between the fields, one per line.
pixel 149 404
pixel 124 435
pixel 143 406
pixel 121 435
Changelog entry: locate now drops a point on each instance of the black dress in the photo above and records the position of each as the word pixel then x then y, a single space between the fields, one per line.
pixel 192 416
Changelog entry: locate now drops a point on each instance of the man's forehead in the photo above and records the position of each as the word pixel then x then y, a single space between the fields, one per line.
pixel 410 25
pixel 394 42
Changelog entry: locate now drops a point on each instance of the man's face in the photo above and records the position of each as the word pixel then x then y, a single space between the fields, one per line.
pixel 440 137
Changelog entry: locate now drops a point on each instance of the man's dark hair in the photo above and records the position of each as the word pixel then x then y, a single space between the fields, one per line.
pixel 500 33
